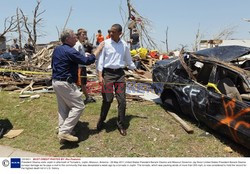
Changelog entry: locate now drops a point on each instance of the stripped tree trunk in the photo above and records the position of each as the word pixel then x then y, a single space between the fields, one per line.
pixel 19 29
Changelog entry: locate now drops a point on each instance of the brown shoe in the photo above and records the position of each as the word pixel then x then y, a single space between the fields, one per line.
pixel 67 137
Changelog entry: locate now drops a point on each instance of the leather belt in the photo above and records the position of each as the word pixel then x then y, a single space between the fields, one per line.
pixel 113 70
pixel 68 79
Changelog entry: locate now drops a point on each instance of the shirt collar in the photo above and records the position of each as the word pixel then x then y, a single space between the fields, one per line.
pixel 112 41
pixel 66 44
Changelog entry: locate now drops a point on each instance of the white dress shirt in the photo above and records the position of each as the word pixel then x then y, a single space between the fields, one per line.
pixel 115 55
pixel 79 47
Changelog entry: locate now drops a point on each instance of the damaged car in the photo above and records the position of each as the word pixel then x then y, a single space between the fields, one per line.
pixel 211 86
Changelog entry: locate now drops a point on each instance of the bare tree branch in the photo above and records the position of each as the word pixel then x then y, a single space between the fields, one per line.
pixel 225 33
pixel 143 27
pixel 31 29
pixel 26 25
pixel 247 20
pixel 67 19
pixel 36 21
pixel 9 25
pixel 198 38
pixel 58 33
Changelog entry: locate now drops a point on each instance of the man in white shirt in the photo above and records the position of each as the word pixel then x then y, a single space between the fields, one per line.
pixel 82 79
pixel 113 58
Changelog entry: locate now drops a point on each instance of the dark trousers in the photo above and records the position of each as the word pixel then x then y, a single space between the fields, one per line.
pixel 114 81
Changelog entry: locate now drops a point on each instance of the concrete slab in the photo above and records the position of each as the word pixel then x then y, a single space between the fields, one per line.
pixel 6 151
pixel 20 153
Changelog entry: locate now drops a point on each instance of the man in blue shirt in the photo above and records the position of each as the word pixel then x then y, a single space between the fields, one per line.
pixel 65 60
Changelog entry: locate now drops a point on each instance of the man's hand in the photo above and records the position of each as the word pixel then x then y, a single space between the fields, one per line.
pixel 99 49
pixel 100 78
pixel 87 55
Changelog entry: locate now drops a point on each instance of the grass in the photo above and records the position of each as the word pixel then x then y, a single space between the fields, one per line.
pixel 151 131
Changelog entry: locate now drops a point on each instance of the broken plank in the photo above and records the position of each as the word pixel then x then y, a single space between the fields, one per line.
pixel 147 68
pixel 184 125
pixel 28 87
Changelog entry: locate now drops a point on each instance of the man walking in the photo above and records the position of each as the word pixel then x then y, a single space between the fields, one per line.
pixel 113 58
pixel 65 60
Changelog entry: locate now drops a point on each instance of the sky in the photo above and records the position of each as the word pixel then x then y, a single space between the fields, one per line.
pixel 182 17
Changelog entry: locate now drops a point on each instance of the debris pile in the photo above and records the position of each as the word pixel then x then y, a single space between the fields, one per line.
pixel 35 73
pixel 42 59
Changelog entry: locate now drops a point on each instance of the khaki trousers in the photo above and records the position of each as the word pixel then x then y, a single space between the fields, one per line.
pixel 70 105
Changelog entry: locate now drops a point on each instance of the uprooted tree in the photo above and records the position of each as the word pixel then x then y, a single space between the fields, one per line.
pixel 134 20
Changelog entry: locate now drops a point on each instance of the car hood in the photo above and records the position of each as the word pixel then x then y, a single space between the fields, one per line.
pixel 224 53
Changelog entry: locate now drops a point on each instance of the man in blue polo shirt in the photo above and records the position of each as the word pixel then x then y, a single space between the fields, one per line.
pixel 65 60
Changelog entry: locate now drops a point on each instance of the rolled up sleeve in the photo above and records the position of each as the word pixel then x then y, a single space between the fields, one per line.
pixel 128 59
pixel 100 61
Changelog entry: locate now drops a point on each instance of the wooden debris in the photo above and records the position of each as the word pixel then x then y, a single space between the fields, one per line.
pixel 27 77
pixel 35 96
pixel 43 57
pixel 28 87
pixel 184 125
pixel 24 96
pixel 13 133
pixel 146 67
pixel 133 97
pixel 140 80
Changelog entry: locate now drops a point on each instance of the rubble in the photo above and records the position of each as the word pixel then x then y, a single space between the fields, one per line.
pixel 35 76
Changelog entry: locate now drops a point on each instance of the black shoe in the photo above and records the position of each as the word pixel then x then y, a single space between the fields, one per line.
pixel 122 131
pixel 100 126
pixel 89 100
